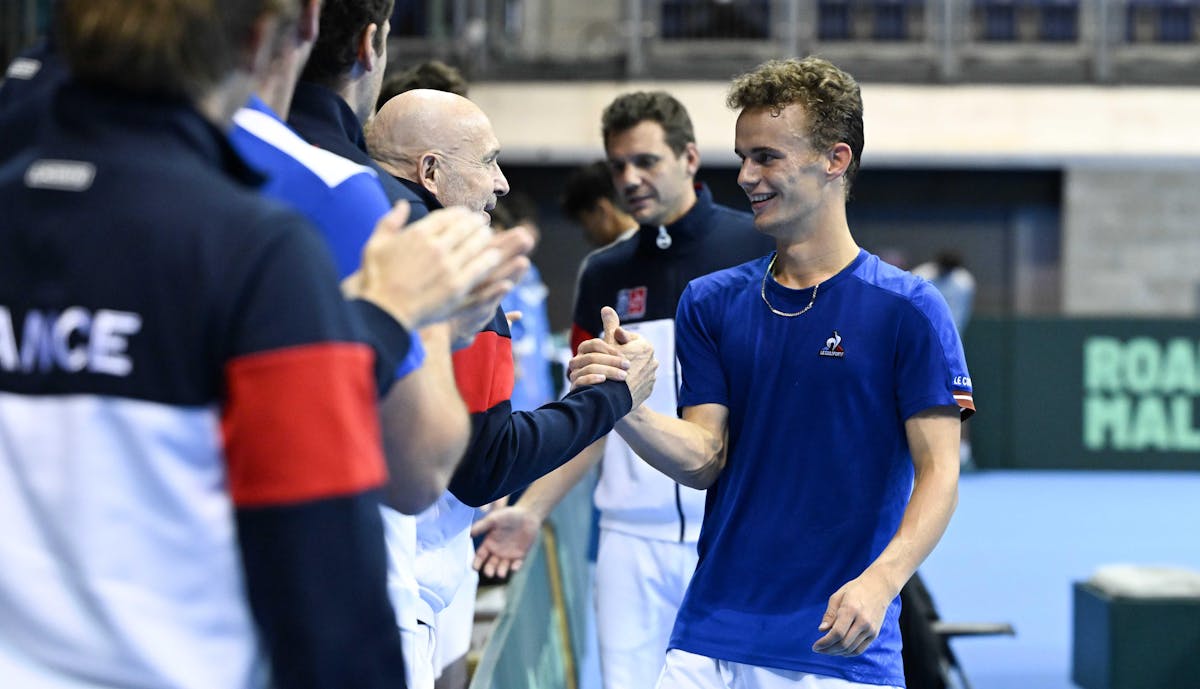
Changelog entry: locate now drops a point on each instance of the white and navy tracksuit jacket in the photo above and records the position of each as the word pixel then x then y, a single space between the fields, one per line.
pixel 189 443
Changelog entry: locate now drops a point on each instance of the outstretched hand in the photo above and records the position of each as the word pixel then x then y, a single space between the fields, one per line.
pixel 510 533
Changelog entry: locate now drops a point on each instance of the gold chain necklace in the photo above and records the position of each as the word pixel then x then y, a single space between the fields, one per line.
pixel 776 311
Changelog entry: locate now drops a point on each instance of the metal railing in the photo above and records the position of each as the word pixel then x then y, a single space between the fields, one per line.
pixel 1045 41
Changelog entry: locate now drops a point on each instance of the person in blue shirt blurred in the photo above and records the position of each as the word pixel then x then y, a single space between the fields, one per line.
pixel 533 350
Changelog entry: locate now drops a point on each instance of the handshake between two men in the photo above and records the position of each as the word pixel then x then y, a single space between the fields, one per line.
pixel 617 355
pixel 451 267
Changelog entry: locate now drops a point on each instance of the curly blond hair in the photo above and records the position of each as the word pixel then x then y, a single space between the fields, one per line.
pixel 830 97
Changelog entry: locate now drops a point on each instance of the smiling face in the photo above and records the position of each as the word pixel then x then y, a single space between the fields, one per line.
pixel 785 178
pixel 470 175
pixel 653 182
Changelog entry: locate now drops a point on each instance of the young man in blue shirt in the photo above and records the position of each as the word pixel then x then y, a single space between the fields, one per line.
pixel 821 397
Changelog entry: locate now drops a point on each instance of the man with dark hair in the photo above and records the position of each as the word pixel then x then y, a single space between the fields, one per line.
pixel 822 392
pixel 431 74
pixel 632 109
pixel 648 522
pixel 590 199
pixel 341 80
pixel 186 455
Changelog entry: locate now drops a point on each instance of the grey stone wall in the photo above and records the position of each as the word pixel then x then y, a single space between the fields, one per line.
pixel 1131 240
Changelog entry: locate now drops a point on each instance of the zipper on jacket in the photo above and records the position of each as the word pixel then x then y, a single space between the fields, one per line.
pixel 679 509
pixel 663 240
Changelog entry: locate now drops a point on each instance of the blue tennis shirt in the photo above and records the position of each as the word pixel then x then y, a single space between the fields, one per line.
pixel 818 472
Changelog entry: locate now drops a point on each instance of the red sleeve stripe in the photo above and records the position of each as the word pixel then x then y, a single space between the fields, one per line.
pixel 484 371
pixel 578 337
pixel 301 424
pixel 966 402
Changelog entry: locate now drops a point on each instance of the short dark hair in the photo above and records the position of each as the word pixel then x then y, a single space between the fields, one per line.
pixel 659 106
pixel 431 74
pixel 174 48
pixel 831 99
pixel 336 49
pixel 584 188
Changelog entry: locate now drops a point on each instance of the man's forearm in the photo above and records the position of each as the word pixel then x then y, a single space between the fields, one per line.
pixel 544 494
pixel 425 427
pixel 934 497
pixel 688 452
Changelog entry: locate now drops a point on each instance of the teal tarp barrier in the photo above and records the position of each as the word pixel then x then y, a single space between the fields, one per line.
pixel 527 648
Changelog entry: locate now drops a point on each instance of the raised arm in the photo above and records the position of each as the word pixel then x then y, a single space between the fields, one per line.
pixel 508 450
pixel 426 275
pixel 690 450
pixel 856 610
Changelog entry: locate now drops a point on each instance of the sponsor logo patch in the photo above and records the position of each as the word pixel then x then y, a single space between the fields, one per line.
pixel 833 347
pixel 631 303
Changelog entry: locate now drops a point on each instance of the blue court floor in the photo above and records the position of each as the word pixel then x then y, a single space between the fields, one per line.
pixel 1020 538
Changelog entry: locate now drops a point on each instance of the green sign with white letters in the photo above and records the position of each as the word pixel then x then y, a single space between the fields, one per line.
pixel 1085 393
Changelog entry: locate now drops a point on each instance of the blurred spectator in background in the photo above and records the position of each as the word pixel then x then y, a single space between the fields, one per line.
pixel 431 74
pixel 532 347
pixel 590 199
pixel 948 273
pixel 950 276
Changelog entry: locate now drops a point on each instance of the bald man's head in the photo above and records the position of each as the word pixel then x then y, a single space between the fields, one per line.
pixel 443 142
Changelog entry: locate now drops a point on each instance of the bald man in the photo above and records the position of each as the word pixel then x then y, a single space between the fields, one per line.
pixel 441 146
pixel 443 151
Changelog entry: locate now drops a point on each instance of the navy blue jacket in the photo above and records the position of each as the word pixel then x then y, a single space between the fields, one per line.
pixel 147 278
pixel 325 120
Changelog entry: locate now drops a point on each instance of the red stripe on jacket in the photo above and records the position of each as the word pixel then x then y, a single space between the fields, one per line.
pixel 484 371
pixel 301 424
pixel 578 337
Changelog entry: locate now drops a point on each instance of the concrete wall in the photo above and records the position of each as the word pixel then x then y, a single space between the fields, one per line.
pixel 1131 240
pixel 919 126
pixel 1130 207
